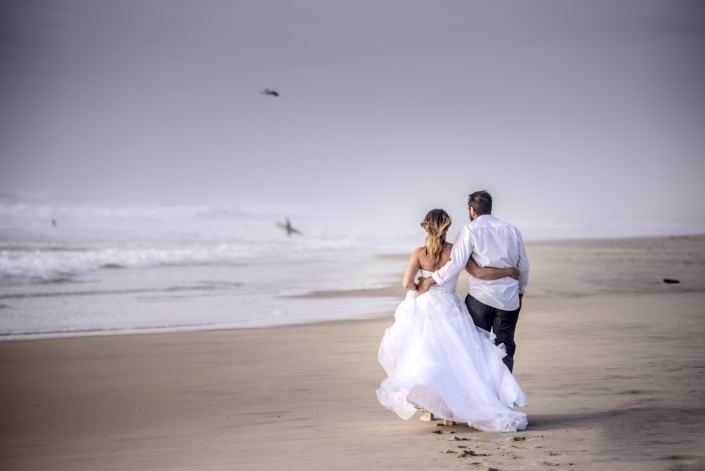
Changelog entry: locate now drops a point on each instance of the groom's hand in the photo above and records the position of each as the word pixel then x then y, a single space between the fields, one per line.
pixel 521 299
pixel 424 285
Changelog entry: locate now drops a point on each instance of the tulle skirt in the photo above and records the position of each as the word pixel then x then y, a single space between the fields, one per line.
pixel 439 361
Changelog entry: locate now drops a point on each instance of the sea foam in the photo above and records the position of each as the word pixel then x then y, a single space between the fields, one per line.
pixel 48 241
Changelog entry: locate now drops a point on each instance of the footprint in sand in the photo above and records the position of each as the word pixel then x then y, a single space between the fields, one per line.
pixel 523 438
pixel 466 453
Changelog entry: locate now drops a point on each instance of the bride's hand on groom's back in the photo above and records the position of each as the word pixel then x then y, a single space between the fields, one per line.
pixel 514 273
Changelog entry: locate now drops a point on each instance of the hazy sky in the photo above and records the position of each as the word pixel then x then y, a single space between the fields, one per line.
pixel 567 111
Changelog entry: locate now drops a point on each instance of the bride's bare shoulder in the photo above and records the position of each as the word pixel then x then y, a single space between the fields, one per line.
pixel 418 252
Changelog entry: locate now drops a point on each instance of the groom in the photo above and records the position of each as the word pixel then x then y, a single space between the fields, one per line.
pixel 495 304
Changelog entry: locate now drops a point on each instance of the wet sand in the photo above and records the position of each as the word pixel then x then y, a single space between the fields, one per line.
pixel 611 360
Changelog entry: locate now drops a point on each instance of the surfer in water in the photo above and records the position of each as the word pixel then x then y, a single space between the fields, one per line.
pixel 288 228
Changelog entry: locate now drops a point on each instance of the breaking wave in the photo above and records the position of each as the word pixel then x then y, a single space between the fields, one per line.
pixel 48 241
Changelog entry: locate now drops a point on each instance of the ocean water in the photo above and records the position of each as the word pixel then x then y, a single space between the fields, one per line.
pixel 70 267
pixel 80 268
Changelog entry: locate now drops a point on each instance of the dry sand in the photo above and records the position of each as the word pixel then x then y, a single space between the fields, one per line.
pixel 612 361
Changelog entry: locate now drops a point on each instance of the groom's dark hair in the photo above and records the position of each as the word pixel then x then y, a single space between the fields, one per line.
pixel 481 202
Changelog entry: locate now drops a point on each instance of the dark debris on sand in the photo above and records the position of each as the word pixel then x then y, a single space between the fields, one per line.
pixel 466 453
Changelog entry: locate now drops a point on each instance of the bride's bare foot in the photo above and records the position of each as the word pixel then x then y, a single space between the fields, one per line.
pixel 427 417
pixel 450 423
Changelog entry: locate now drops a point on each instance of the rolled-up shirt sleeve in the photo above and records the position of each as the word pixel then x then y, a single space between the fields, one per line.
pixel 522 265
pixel 462 248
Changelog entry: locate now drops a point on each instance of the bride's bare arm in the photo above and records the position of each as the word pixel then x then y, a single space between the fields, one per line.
pixel 489 273
pixel 411 271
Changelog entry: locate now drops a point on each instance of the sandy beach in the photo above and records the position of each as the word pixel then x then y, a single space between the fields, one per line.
pixel 609 356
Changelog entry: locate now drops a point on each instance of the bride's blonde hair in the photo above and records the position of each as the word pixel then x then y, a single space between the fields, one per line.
pixel 436 224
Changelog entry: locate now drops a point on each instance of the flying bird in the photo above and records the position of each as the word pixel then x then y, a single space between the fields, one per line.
pixel 267 91
pixel 287 227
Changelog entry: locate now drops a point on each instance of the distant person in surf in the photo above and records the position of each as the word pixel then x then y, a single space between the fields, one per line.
pixel 288 228
pixel 53 222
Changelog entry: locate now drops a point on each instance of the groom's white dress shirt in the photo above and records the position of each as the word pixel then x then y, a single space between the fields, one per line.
pixel 491 243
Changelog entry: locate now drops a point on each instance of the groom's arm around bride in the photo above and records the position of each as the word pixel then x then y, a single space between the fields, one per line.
pixel 493 304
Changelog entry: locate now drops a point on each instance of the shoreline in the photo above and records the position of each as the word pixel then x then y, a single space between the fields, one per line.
pixel 560 269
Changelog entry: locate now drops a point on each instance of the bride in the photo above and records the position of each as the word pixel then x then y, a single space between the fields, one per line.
pixel 437 359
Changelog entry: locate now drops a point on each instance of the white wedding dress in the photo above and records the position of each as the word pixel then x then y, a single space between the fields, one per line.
pixel 439 361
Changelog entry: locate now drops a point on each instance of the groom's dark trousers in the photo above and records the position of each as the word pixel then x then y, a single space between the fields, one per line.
pixel 501 323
